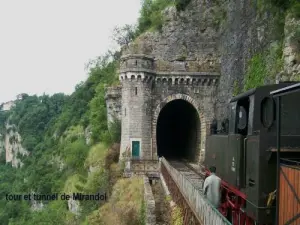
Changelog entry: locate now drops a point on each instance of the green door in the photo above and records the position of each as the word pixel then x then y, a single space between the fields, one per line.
pixel 135 149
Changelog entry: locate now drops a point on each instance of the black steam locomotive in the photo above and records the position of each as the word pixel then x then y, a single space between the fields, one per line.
pixel 244 153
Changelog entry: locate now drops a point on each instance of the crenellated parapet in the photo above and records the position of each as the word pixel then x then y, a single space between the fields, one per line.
pixel 187 78
pixel 139 67
pixel 137 63
pixel 137 76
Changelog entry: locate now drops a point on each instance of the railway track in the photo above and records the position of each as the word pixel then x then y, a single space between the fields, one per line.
pixel 185 181
pixel 190 172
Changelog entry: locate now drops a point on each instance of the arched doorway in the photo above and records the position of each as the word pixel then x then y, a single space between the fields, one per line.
pixel 178 131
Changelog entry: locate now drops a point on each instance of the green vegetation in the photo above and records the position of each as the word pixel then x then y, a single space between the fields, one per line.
pixel 274 60
pixel 151 14
pixel 62 160
pixel 151 17
pixel 53 131
pixel 3 118
pixel 278 6
pixel 268 62
pixel 236 88
pixel 256 73
pixel 181 4
pixel 176 216
pixel 264 66
pixel 296 38
pixel 295 9
pixel 125 207
pixel 283 4
pixel 62 157
pixel 176 213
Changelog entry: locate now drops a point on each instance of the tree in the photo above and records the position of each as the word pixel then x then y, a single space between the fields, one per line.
pixel 124 35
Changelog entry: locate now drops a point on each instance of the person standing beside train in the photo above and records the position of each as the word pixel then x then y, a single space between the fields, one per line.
pixel 211 188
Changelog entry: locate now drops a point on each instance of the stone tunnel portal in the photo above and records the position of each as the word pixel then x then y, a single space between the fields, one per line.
pixel 177 131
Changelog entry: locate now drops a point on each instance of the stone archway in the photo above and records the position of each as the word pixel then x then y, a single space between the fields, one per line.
pixel 202 130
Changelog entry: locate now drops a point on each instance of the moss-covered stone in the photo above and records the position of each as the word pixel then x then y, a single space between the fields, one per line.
pixel 162 65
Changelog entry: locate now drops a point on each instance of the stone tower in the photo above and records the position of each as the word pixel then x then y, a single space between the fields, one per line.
pixel 137 76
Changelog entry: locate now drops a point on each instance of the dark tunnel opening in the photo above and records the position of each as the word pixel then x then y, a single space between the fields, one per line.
pixel 177 131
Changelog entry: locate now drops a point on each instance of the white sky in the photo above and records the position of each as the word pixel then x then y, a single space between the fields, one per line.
pixel 44 44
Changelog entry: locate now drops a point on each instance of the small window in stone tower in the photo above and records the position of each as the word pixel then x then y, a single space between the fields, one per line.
pixel 135 90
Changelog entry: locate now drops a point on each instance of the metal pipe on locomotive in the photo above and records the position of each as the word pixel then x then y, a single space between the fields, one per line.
pixel 245 154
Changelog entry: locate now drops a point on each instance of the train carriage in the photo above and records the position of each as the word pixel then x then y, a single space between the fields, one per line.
pixel 288 170
pixel 245 154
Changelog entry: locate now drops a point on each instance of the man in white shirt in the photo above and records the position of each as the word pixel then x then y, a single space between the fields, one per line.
pixel 211 188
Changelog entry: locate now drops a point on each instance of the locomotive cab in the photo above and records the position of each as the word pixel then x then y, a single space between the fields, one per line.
pixel 243 156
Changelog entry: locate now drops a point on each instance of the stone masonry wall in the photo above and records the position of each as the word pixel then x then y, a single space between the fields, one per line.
pixel 136 80
pixel 200 96
pixel 136 120
pixel 186 46
pixel 144 93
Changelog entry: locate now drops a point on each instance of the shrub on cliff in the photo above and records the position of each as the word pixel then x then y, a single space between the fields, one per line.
pixel 291 5
pixel 295 10
pixel 181 4
pixel 150 14
pixel 125 205
pixel 112 155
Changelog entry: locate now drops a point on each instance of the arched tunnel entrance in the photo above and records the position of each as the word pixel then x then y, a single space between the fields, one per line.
pixel 177 131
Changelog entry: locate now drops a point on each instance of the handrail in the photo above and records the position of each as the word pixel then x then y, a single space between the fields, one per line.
pixel 144 165
pixel 143 160
pixel 203 208
pixel 294 161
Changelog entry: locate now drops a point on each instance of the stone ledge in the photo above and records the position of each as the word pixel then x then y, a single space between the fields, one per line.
pixel 171 73
pixel 184 73
pixel 149 202
pixel 171 78
pixel 134 56
pixel 113 92
pixel 136 69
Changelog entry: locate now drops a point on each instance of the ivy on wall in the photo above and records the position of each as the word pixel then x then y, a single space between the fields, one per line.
pixel 256 73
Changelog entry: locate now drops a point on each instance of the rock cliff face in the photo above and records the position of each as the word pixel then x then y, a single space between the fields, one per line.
pixel 223 36
pixel 113 103
pixel 246 32
pixel 188 40
pixel 291 49
pixel 10 144
pixel 250 30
